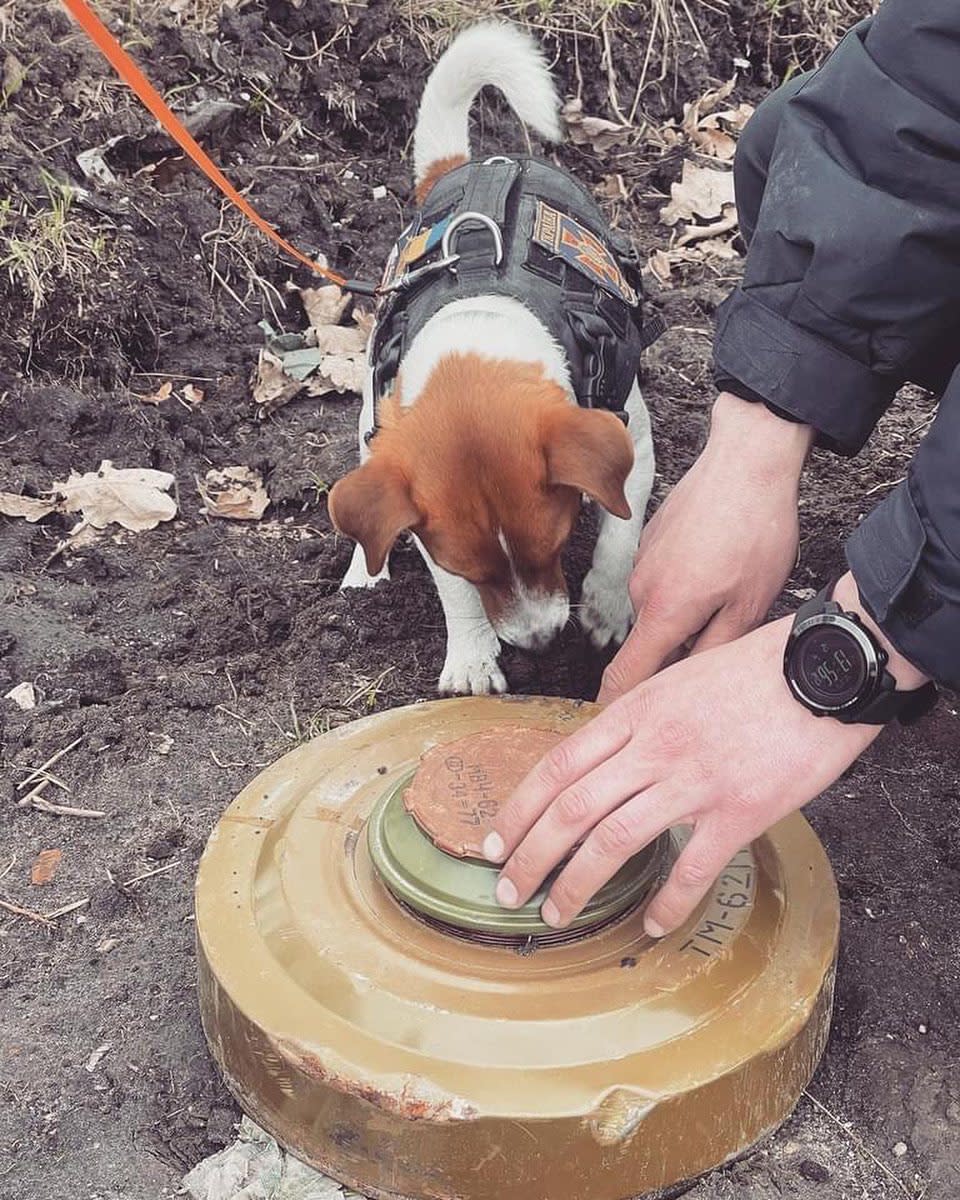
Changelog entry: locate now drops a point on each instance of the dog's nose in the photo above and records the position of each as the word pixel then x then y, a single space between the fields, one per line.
pixel 534 625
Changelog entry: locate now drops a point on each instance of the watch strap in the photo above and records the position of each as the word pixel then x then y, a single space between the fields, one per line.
pixel 906 707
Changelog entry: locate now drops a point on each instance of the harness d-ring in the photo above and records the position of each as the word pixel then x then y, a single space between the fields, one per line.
pixel 446 246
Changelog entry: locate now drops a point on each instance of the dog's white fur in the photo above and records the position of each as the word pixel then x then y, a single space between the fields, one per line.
pixel 502 56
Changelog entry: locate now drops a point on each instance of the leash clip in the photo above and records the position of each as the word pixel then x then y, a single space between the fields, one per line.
pixel 411 277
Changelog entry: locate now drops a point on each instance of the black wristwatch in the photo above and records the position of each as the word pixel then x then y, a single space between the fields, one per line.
pixel 835 667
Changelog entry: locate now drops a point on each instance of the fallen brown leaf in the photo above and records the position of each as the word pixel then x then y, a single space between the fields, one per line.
pixel 613 188
pixel 236 493
pixel 272 386
pixel 134 497
pixel 596 132
pixel 324 305
pixel 13 505
pixel 658 264
pixel 702 192
pixel 45 866
pixel 24 695
pixel 162 393
pixel 14 73
pixel 193 395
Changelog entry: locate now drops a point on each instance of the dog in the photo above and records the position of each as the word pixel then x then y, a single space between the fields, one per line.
pixel 502 382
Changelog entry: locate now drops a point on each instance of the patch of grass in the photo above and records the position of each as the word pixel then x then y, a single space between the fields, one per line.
pixel 43 245
pixel 807 30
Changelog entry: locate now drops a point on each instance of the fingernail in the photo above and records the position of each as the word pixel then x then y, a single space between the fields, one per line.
pixel 493 847
pixel 506 894
pixel 652 929
pixel 550 913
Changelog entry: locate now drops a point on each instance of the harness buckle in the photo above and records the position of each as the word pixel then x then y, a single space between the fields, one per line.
pixel 479 218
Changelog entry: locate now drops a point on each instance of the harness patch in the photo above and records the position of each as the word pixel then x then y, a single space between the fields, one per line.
pixel 412 245
pixel 578 247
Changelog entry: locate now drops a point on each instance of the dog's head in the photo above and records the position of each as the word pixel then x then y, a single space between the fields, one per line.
pixel 487 469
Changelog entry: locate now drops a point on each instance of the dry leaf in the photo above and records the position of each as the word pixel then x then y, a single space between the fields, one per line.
pixel 594 131
pixel 162 393
pixel 364 320
pixel 324 305
pixel 96 1055
pixel 337 373
pixel 701 192
pixel 236 493
pixel 134 497
pixel 193 395
pixel 14 73
pixel 613 188
pixel 658 264
pixel 24 695
pixel 45 866
pixel 12 505
pixel 272 386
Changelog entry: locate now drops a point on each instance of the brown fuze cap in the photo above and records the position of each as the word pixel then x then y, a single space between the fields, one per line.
pixel 460 786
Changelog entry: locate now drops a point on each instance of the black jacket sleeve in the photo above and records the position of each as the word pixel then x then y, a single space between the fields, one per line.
pixel 853 272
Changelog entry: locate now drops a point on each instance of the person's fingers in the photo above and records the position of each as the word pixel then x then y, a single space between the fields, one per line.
pixel 562 767
pixel 660 628
pixel 571 816
pixel 696 868
pixel 617 838
pixel 725 627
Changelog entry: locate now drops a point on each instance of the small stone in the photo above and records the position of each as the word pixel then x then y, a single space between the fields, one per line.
pixel 899 1149
pixel 380 192
pixel 921 1029
pixel 814 1171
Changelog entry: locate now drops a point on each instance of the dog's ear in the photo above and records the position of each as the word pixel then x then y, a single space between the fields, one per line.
pixel 373 505
pixel 590 450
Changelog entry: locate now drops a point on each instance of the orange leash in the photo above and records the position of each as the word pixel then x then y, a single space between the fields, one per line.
pixel 135 79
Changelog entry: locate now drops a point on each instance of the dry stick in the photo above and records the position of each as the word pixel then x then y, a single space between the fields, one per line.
pixel 861 1145
pixel 67 908
pixel 8 868
pixel 149 874
pixel 62 810
pixel 611 74
pixel 38 771
pixel 26 912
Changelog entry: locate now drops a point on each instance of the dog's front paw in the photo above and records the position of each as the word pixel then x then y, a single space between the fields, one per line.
pixel 606 613
pixel 358 576
pixel 471 669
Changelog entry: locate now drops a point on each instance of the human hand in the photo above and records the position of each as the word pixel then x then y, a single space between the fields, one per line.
pixel 718 551
pixel 715 741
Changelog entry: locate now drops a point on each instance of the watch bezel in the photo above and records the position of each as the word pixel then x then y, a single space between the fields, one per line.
pixel 874 657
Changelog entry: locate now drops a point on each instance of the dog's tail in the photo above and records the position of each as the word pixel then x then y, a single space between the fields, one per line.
pixel 493 54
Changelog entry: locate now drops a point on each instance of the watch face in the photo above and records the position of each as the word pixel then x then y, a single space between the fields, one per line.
pixel 829 666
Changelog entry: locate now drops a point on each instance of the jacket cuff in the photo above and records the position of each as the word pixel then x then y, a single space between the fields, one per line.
pixel 889 556
pixel 798 374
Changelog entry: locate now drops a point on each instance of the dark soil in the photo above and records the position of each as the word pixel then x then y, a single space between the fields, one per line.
pixel 188 656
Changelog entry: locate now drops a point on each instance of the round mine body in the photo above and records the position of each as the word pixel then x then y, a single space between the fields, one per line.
pixel 409 1056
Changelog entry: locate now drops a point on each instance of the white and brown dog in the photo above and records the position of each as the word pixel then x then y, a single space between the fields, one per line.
pixel 477 439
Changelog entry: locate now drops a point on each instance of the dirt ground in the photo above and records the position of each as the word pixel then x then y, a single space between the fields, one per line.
pixel 178 661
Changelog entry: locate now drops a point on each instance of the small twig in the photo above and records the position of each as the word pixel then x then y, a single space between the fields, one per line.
pixel 861 1145
pixel 149 874
pixel 64 543
pixel 60 810
pixel 37 772
pixel 611 73
pixel 9 867
pixel 67 908
pixel 887 483
pixel 26 912
pixel 697 233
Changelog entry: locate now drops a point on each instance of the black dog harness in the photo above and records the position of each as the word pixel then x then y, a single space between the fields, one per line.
pixel 522 228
